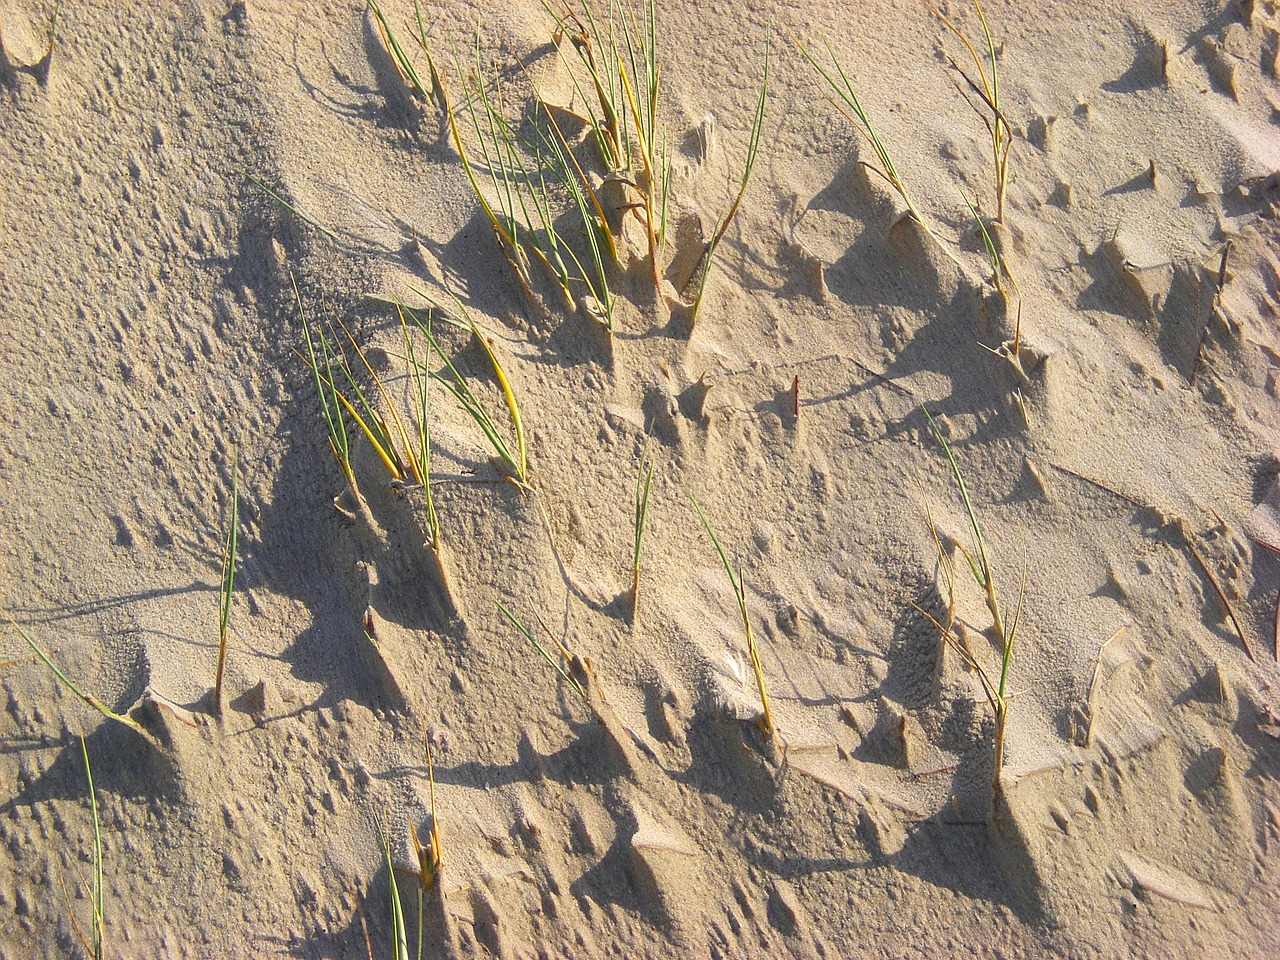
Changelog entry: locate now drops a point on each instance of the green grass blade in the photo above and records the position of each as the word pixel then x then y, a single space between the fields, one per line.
pixel 399 937
pixel 738 582
pixel 402 62
pixel 753 147
pixel 983 567
pixel 339 441
pixel 546 655
pixel 98 896
pixel 993 255
pixel 228 581
pixel 291 208
pixel 66 681
pixel 420 380
pixel 461 391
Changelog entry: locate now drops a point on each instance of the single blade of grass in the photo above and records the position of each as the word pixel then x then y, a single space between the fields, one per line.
pixel 228 581
pixel 399 937
pixel 94 941
pixel 703 269
pixel 644 481
pixel 98 898
pixel 305 217
pixel 524 631
pixel 993 255
pixel 62 678
pixel 753 651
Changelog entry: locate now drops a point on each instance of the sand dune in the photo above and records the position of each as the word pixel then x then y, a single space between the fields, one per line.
pixel 1112 406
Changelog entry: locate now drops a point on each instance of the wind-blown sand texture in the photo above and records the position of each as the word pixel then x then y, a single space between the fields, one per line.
pixel 1124 471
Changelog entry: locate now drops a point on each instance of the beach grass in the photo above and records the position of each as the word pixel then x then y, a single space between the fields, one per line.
pixel 574 683
pixel 399 935
pixel 619 55
pixel 851 106
pixel 1006 632
pixel 987 89
pixel 643 486
pixel 227 588
pixel 72 686
pixel 703 269
pixel 738 582
pixel 430 855
pixel 515 460
pixel 93 942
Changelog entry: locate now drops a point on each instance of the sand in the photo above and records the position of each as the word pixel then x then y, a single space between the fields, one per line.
pixel 1124 471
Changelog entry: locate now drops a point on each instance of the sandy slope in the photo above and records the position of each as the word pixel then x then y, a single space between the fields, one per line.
pixel 150 330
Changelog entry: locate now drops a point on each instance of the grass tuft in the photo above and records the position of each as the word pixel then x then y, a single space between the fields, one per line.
pixel 980 567
pixel 987 89
pixel 618 53
pixel 738 582
pixel 515 461
pixel 852 108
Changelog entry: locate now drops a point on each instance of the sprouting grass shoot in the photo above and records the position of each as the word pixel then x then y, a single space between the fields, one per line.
pixel 430 855
pixel 573 682
pixel 1006 635
pixel 738 582
pixel 703 270
pixel 226 593
pixel 69 684
pixel 852 108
